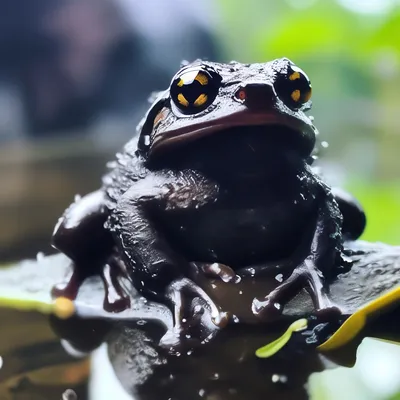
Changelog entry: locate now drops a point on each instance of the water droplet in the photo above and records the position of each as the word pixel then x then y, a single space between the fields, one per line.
pixel 202 392
pixel 39 256
pixel 171 377
pixel 183 320
pixel 277 306
pixel 324 144
pixel 215 376
pixel 240 291
pixel 188 336
pixel 213 286
pixel 279 277
pixel 276 378
pixel 69 394
pixel 235 319
pixel 146 140
pixel 198 309
pixel 141 322
pixel 189 352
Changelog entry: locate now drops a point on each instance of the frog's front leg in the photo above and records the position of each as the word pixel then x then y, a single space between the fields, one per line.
pixel 80 235
pixel 157 270
pixel 323 260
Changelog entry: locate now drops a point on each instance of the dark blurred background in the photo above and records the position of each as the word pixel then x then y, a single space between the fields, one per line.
pixel 75 76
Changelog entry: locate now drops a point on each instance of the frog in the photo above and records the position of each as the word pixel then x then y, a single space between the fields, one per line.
pixel 218 176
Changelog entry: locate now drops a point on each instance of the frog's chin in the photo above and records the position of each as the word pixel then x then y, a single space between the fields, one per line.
pixel 244 153
pixel 303 130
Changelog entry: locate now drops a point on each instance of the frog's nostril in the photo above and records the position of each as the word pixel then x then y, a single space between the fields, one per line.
pixel 256 95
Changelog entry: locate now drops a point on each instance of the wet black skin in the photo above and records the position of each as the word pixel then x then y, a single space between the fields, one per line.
pixel 227 185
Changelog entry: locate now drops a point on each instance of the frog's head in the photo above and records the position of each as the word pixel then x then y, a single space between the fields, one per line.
pixel 259 107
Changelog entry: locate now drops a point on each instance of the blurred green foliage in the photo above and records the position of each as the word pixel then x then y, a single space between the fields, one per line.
pixel 352 56
pixel 353 59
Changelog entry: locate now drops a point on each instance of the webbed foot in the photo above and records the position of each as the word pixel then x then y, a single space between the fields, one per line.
pixel 307 276
pixel 180 294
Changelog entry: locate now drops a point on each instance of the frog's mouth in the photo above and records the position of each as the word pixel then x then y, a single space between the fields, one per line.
pixel 272 127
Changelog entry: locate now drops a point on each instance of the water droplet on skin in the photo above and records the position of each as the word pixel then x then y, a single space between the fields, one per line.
pixel 276 378
pixel 240 291
pixel 39 257
pixel 277 306
pixel 213 286
pixel 189 352
pixel 202 392
pixel 198 309
pixel 188 336
pixel 324 144
pixel 235 319
pixel 183 320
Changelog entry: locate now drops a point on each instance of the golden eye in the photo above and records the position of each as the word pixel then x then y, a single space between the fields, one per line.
pixel 194 89
pixel 293 87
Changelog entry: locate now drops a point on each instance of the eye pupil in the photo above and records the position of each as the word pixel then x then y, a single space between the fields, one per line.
pixel 194 89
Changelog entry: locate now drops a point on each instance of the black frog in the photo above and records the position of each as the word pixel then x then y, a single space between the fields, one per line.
pixel 219 177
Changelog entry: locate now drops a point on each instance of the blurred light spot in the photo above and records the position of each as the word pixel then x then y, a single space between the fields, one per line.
pixel 367 6
pixel 301 3
pixel 1 362
pixel 379 367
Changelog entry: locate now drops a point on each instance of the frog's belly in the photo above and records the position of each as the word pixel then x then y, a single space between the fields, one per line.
pixel 238 237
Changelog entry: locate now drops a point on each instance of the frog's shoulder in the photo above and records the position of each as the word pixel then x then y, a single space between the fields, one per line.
pixel 127 168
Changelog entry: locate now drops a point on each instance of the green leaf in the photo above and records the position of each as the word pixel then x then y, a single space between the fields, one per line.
pixel 272 348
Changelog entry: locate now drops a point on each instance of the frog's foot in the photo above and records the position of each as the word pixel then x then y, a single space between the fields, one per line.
pixel 180 293
pixel 217 270
pixel 307 276
pixel 115 299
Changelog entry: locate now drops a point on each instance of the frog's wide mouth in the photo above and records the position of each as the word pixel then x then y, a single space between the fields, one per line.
pixel 303 132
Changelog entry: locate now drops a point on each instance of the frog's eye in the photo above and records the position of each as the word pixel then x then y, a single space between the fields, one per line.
pixel 194 89
pixel 293 88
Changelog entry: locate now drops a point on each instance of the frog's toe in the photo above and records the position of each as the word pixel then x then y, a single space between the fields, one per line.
pixel 69 286
pixel 115 299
